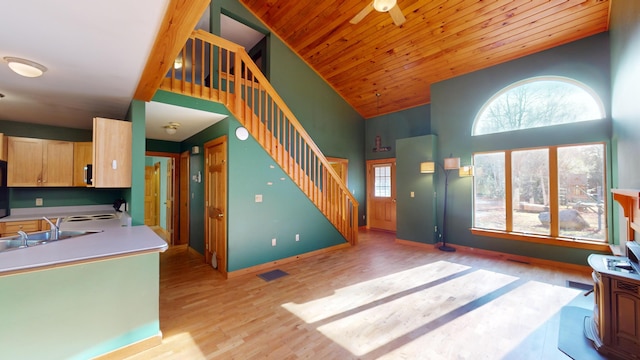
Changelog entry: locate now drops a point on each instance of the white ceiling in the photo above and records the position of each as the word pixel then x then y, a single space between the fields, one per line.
pixel 95 52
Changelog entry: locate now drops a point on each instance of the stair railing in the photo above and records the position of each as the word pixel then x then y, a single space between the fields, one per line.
pixel 218 70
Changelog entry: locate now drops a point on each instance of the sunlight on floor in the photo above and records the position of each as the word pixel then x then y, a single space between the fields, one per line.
pixel 420 311
pixel 352 297
pixel 187 347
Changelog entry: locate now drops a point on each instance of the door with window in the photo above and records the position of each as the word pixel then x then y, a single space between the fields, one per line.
pixel 381 194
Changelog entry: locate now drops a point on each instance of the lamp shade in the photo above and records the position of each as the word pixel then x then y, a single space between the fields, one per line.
pixel 451 163
pixel 383 5
pixel 427 167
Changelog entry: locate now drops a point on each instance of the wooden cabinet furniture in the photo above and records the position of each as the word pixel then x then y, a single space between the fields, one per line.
pixel 39 162
pixel 82 155
pixel 10 228
pixel 3 147
pixel 111 153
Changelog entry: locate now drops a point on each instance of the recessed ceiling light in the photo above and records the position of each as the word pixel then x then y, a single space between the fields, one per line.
pixel 25 67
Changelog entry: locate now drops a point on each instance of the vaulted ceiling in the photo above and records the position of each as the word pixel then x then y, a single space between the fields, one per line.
pixel 380 68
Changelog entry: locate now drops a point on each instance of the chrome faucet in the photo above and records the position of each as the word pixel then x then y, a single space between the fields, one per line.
pixel 55 228
pixel 23 238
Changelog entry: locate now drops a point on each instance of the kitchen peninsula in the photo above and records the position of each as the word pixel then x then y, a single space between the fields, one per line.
pixel 89 296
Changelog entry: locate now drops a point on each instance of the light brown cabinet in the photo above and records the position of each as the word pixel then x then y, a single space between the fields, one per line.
pixel 82 155
pixel 3 147
pixel 39 162
pixel 10 228
pixel 111 153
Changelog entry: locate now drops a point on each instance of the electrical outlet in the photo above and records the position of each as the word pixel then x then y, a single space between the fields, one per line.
pixel 297 237
pixel 273 242
pixel 259 199
pixel 38 201
pixel 413 194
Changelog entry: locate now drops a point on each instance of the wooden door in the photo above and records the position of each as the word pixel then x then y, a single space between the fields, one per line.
pixel 170 200
pixel 150 193
pixel 216 203
pixel 57 163
pixel 184 199
pixel 111 153
pixel 381 194
pixel 24 165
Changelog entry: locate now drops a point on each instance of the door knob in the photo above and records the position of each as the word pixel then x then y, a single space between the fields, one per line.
pixel 220 215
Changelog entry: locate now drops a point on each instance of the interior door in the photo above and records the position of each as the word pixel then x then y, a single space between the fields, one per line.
pixel 183 209
pixel 149 197
pixel 216 203
pixel 381 194
pixel 170 201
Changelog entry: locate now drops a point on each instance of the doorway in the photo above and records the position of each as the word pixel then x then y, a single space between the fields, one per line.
pixel 161 182
pixel 215 188
pixel 381 194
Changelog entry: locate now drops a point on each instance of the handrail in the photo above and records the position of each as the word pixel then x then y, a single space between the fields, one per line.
pixel 218 70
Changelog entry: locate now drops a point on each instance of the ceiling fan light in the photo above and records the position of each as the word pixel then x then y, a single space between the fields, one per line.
pixel 24 67
pixel 384 5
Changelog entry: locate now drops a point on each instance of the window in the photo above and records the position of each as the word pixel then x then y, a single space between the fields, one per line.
pixel 555 192
pixel 382 180
pixel 538 102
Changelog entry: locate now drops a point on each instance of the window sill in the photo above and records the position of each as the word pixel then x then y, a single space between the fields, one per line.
pixel 546 240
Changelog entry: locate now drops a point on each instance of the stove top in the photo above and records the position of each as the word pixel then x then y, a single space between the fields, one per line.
pixel 76 218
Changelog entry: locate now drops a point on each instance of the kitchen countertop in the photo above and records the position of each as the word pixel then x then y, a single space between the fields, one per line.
pixel 115 240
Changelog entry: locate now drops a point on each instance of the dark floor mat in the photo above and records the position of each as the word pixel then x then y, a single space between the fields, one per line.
pixel 272 275
pixel 571 338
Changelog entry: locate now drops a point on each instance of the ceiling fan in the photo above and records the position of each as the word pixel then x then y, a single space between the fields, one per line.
pixel 389 6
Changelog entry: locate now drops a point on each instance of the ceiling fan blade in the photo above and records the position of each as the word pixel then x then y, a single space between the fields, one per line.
pixel 396 15
pixel 367 9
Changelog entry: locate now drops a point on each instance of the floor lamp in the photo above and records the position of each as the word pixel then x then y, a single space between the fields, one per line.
pixel 450 164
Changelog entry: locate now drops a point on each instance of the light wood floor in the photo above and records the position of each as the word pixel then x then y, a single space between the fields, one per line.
pixel 377 300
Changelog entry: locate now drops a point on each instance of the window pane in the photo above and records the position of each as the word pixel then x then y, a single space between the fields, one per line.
pixel 536 103
pixel 489 191
pixel 530 193
pixel 581 191
pixel 382 181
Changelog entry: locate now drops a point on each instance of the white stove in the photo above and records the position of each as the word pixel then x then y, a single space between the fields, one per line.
pixel 77 218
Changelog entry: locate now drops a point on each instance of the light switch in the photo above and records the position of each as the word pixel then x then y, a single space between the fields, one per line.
pixel 413 194
pixel 258 198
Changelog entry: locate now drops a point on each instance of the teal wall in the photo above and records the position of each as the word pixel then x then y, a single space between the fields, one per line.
pixel 135 195
pixel 456 102
pixel 334 125
pixel 391 127
pixel 24 197
pixel 79 311
pixel 284 212
pixel 415 215
pixel 163 146
pixel 625 87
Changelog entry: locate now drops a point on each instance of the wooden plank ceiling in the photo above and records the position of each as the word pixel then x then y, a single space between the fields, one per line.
pixel 439 40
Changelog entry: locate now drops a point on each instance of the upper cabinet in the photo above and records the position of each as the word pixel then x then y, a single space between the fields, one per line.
pixel 39 162
pixel 3 147
pixel 111 153
pixel 82 156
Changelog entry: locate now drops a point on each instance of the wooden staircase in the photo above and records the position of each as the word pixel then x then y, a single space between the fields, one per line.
pixel 222 71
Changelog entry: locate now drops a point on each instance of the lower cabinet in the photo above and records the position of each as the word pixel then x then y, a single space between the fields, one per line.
pixel 10 228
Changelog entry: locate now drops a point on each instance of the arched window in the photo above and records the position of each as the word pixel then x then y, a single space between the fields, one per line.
pixel 538 102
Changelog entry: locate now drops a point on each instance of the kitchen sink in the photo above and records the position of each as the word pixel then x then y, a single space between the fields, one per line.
pixel 40 238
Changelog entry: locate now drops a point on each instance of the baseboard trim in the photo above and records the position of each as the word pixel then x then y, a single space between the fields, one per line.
pixel 501 255
pixel 132 349
pixel 271 265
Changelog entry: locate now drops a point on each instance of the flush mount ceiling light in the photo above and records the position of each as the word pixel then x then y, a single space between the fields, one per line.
pixel 25 67
pixel 172 128
pixel 383 5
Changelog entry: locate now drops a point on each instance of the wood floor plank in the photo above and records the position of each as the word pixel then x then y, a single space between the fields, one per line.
pixel 376 300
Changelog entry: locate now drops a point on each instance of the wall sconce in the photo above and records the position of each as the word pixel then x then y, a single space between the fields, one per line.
pixel 429 167
pixel 466 170
pixel 195 150
pixel 172 128
pixel 197 177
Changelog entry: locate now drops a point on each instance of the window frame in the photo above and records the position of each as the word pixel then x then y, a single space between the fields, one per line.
pixel 554 237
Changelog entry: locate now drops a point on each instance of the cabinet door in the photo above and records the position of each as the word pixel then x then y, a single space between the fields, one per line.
pixel 57 164
pixel 111 153
pixel 12 227
pixel 626 310
pixel 24 161
pixel 82 155
pixel 3 147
